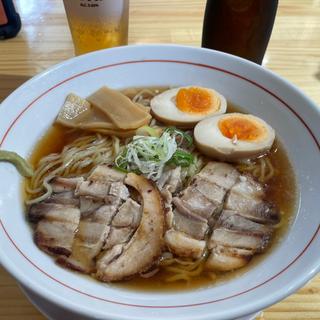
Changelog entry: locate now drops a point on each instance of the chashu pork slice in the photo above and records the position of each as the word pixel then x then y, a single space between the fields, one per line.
pixel 233 220
pixel 92 232
pixel 99 182
pixel 63 190
pixel 222 174
pixel 60 184
pixel 66 197
pixel 198 207
pixel 227 258
pixel 55 231
pixel 198 203
pixel 145 246
pixel 96 216
pixel 62 194
pixel 210 190
pixel 89 204
pixel 244 227
pixel 247 197
pixel 124 224
pixel 183 245
pixel 186 221
pixel 238 239
pixel 170 179
pixel 129 215
pixel 170 183
pixel 231 249
pixel 254 209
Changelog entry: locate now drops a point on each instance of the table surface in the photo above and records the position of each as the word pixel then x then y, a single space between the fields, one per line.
pixel 293 52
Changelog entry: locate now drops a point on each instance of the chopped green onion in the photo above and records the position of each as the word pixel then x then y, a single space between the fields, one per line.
pixel 181 135
pixel 148 155
pixel 182 158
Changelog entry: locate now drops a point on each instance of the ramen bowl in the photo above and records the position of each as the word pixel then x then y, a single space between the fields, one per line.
pixel 29 111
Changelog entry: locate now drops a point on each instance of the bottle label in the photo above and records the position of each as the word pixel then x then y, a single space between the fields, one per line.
pixel 93 9
pixel 3 16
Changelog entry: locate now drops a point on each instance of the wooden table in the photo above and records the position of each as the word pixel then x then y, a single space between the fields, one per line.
pixel 293 52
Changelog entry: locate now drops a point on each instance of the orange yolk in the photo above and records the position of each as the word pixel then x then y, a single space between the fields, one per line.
pixel 242 128
pixel 196 100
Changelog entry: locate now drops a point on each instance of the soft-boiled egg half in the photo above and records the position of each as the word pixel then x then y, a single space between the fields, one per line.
pixel 233 136
pixel 185 106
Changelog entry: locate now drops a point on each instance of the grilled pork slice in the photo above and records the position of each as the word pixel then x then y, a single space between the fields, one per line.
pixel 62 194
pixel 66 197
pixel 99 183
pixel 129 215
pixel 227 258
pixel 246 185
pixel 57 217
pixel 56 230
pixel 39 210
pixel 182 245
pixel 189 223
pixel 94 189
pixel 89 205
pixel 246 223
pixel 238 239
pixel 254 209
pixel 206 193
pixel 222 174
pixel 124 223
pixel 233 220
pixel 118 236
pixel 92 232
pixel 200 204
pixel 169 184
pixel 60 184
pixel 210 190
pixel 118 189
pixel 104 173
pixel 97 213
pixel 146 243
pixel 197 203
pixel 246 196
pixel 170 180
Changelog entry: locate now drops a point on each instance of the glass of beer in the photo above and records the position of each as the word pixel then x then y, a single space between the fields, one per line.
pixel 97 24
pixel 239 27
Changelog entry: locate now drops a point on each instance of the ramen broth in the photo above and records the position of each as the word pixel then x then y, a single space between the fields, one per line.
pixel 281 190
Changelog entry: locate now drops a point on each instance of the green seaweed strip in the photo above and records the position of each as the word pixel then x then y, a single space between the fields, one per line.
pixel 21 164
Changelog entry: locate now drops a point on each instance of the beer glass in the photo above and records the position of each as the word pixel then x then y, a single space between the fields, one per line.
pixel 97 24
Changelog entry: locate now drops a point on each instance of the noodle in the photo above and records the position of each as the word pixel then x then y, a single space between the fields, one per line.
pixel 262 169
pixel 183 269
pixel 271 170
pixel 77 158
pixel 144 96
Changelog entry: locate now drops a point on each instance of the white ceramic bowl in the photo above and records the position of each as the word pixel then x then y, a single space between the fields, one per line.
pixel 28 112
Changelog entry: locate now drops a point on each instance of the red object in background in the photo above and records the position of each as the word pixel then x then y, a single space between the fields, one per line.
pixel 10 23
pixel 239 27
pixel 3 16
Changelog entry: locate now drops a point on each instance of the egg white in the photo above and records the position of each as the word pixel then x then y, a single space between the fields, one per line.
pixel 164 109
pixel 211 142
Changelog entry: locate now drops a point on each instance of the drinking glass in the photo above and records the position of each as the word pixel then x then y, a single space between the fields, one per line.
pixel 97 24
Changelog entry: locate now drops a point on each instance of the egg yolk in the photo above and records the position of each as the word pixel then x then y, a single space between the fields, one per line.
pixel 241 128
pixel 196 100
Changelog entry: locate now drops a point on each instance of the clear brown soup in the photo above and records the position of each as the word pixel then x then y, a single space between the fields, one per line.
pixel 281 190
